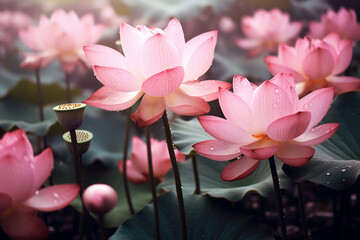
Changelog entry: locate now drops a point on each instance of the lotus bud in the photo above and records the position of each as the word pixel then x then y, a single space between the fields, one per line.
pixel 100 198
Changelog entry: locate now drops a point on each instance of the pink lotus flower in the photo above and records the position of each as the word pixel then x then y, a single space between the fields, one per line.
pixel 158 63
pixel 266 30
pixel 10 24
pixel 21 176
pixel 265 120
pixel 62 36
pixel 137 168
pixel 342 22
pixel 316 63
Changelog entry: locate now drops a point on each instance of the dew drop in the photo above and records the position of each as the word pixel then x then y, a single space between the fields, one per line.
pixel 55 194
pixel 276 91
pixel 55 201
pixel 274 105
pixel 343 170
pixel 349 166
pixel 211 148
pixel 278 100
pixel 328 174
pixel 344 180
pixel 306 106
pixel 201 83
pixel 36 192
pixel 327 182
pixel 327 131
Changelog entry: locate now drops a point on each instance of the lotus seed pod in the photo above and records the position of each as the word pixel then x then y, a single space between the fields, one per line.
pixel 83 138
pixel 100 198
pixel 70 115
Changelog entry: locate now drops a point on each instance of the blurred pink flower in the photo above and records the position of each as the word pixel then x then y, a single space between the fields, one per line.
pixel 62 36
pixel 21 175
pixel 10 24
pixel 266 30
pixel 342 22
pixel 316 63
pixel 265 120
pixel 100 198
pixel 158 63
pixel 137 166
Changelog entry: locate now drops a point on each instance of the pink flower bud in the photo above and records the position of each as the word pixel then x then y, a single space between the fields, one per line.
pixel 100 198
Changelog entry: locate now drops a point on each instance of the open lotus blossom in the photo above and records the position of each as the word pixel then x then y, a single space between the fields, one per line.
pixel 10 24
pixel 266 30
pixel 343 22
pixel 61 36
pixel 266 120
pixel 159 65
pixel 137 167
pixel 21 176
pixel 316 63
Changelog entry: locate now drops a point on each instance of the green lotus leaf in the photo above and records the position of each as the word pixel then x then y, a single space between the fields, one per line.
pixel 20 114
pixel 336 163
pixel 259 181
pixel 206 218
pixel 187 133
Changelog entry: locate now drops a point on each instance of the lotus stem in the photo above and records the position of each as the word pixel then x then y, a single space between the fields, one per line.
pixel 177 179
pixel 196 174
pixel 302 211
pixel 279 205
pixel 125 152
pixel 78 176
pixel 41 115
pixel 152 184
pixel 101 227
pixel 68 87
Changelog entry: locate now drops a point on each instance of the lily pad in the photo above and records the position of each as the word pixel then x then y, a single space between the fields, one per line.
pixel 336 163
pixel 187 133
pixel 20 114
pixel 99 173
pixel 259 181
pixel 219 220
pixel 51 92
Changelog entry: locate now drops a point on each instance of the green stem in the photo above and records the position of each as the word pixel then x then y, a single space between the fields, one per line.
pixel 125 152
pixel 196 174
pixel 279 205
pixel 152 183
pixel 68 87
pixel 78 174
pixel 175 169
pixel 302 211
pixel 41 115
pixel 101 227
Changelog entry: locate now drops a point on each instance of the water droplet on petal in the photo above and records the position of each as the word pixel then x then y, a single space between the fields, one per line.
pixel 343 170
pixel 201 83
pixel 344 180
pixel 55 194
pixel 306 106
pixel 36 192
pixel 328 174
pixel 276 91
pixel 211 148
pixel 274 105
pixel 327 182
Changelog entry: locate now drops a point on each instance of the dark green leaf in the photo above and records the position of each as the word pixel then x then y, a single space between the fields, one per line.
pixel 260 181
pixel 206 218
pixel 337 161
